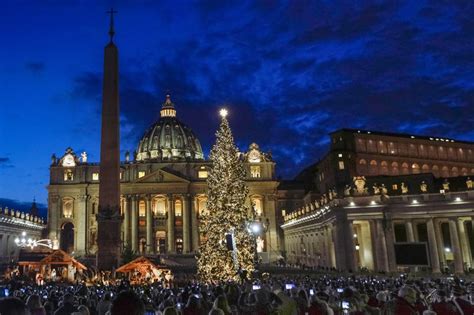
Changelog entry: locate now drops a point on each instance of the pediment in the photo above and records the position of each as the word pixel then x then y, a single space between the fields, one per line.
pixel 163 176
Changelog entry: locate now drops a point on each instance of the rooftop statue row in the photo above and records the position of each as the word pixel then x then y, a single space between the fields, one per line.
pixel 21 215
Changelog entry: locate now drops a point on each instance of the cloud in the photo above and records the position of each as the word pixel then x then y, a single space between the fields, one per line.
pixel 292 73
pixel 35 67
pixel 5 162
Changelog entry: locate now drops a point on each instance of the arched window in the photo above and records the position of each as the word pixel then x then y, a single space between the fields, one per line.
pixel 425 168
pixel 454 171
pixel 178 208
pixel 373 167
pixel 142 245
pixel 395 170
pixel 415 168
pixel 444 171
pixel 362 166
pixel 384 168
pixel 159 206
pixel 405 169
pixel 68 207
pixel 141 208
pixel 435 170
pixel 472 171
pixel 201 203
pixel 464 171
pixel 258 207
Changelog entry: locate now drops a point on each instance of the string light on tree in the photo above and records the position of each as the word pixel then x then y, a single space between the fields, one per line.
pixel 227 246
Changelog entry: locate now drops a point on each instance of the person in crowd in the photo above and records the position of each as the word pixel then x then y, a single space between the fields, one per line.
pixel 403 304
pixel 34 305
pixel 127 303
pixel 67 307
pixel 13 306
pixel 104 305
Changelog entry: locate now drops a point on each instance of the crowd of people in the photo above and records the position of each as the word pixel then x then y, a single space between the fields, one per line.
pixel 301 295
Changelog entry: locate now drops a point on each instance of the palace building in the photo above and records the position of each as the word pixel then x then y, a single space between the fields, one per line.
pixel 374 192
pixel 163 194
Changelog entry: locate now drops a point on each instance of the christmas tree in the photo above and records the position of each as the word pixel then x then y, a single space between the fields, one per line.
pixel 226 213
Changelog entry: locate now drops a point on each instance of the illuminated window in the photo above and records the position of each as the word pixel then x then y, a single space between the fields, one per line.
pixel 255 171
pixel 68 207
pixel 178 208
pixel 121 174
pixel 141 174
pixel 341 165
pixel 395 187
pixel 202 172
pixel 257 204
pixel 95 176
pixel 283 212
pixel 202 210
pixel 68 175
pixel 141 209
pixel 159 206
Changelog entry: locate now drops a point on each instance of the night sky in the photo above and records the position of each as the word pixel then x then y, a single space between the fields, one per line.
pixel 288 73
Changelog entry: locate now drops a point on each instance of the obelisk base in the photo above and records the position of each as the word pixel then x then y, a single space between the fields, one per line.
pixel 109 243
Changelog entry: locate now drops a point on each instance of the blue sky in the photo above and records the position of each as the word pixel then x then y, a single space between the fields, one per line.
pixel 289 72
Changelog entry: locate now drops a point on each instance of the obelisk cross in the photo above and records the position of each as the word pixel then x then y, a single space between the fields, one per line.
pixel 111 30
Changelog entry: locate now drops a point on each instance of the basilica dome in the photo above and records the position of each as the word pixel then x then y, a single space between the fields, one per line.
pixel 169 139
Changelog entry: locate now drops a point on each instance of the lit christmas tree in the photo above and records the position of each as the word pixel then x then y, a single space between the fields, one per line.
pixel 226 213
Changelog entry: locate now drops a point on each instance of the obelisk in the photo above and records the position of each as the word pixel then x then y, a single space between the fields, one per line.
pixel 109 220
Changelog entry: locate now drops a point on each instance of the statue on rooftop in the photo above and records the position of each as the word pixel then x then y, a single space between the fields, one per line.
pixel 84 157
pixel 359 183
pixel 376 189
pixel 383 189
pixel 423 187
pixel 446 185
pixel 469 183
pixel 404 188
pixel 347 191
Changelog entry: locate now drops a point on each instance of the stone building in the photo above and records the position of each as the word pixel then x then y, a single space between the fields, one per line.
pixel 374 190
pixel 163 193
pixel 370 153
pixel 13 223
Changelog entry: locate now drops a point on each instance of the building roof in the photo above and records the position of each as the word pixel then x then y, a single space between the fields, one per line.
pixel 169 139
pixel 400 135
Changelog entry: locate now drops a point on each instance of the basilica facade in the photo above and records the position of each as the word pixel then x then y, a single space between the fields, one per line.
pixel 163 194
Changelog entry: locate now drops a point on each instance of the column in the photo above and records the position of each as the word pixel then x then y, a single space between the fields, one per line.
pixel 149 225
pixel 194 223
pixel 350 246
pixel 456 247
pixel 439 241
pixel 381 247
pixel 272 235
pixel 80 215
pixel 390 240
pixel 464 239
pixel 186 227
pixel 410 231
pixel 53 214
pixel 171 224
pixel 134 223
pixel 126 222
pixel 432 243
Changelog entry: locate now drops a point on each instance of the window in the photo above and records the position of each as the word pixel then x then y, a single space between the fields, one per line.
pixel 141 209
pixel 159 206
pixel 202 172
pixel 95 176
pixel 394 187
pixel 341 165
pixel 202 210
pixel 68 175
pixel 68 207
pixel 257 204
pixel 141 174
pixel 178 208
pixel 255 171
